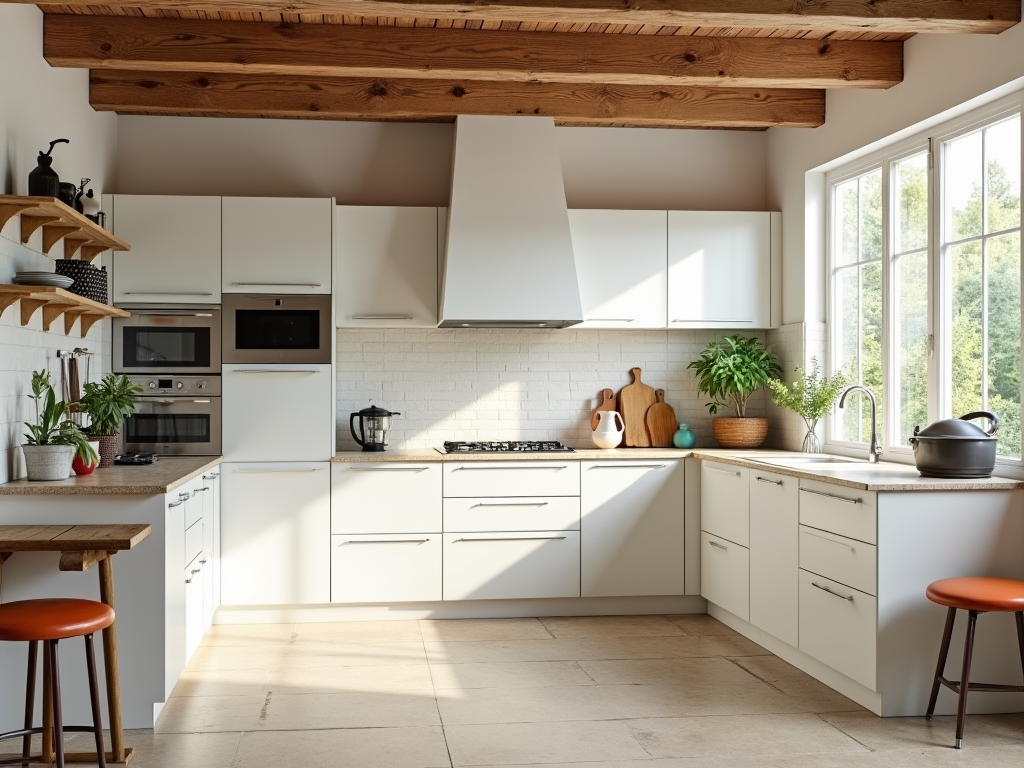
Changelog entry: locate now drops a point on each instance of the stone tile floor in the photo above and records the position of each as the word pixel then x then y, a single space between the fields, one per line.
pixel 592 692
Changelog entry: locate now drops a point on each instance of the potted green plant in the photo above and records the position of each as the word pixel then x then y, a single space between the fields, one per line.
pixel 53 440
pixel 811 395
pixel 729 372
pixel 108 404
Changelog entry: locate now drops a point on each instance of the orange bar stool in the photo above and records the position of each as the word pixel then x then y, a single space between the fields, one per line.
pixel 51 621
pixel 975 595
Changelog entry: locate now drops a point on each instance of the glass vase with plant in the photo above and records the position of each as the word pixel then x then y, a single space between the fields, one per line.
pixel 812 396
pixel 53 440
pixel 729 371
pixel 108 404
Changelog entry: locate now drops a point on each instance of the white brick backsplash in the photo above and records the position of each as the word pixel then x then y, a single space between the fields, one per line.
pixel 475 384
pixel 27 349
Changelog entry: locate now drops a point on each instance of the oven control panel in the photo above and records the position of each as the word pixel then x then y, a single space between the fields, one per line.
pixel 183 386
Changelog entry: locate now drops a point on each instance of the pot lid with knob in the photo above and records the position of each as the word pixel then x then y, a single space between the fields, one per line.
pixel 960 429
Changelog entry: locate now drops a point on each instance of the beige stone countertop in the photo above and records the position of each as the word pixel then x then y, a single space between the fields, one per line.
pixel 580 454
pixel 160 477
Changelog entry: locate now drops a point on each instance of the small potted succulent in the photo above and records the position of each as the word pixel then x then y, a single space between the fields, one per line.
pixel 812 396
pixel 729 372
pixel 53 440
pixel 108 404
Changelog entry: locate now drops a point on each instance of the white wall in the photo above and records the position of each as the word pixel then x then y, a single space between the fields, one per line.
pixel 38 104
pixel 941 73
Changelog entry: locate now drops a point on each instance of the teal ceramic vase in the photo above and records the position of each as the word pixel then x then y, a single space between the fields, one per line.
pixel 684 437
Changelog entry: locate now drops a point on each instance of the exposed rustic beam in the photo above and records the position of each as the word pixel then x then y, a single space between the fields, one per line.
pixel 104 42
pixel 232 95
pixel 891 16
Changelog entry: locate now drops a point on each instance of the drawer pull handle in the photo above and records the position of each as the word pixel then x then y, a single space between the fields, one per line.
pixel 716 544
pixel 626 466
pixel 513 504
pixel 275 370
pixel 611 319
pixel 274 471
pixel 711 320
pixel 836 594
pixel 766 480
pixel 382 317
pixel 515 538
pixel 385 541
pixel 290 285
pixel 211 477
pixel 489 469
pixel 723 471
pixel 200 490
pixel 176 503
pixel 830 541
pixel 831 496
pixel 387 469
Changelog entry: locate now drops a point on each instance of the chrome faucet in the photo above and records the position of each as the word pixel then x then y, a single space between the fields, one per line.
pixel 874 450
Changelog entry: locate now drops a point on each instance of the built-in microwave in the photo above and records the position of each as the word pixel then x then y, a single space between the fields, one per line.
pixel 174 339
pixel 277 328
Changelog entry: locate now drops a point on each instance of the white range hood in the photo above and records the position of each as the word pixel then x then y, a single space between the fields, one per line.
pixel 509 260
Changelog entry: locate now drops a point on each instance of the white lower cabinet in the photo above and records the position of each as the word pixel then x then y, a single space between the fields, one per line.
pixel 774 519
pixel 489 566
pixel 847 561
pixel 632 528
pixel 838 627
pixel 511 478
pixel 195 607
pixel 520 513
pixel 725 574
pixel 393 568
pixel 725 501
pixel 275 533
pixel 385 497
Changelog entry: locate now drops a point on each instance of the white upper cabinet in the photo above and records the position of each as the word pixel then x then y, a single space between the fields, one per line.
pixel 277 245
pixel 621 266
pixel 175 255
pixel 724 269
pixel 385 267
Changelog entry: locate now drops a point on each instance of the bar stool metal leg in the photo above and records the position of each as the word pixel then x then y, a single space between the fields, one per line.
pixel 1020 636
pixel 94 694
pixel 30 698
pixel 58 716
pixel 965 678
pixel 940 667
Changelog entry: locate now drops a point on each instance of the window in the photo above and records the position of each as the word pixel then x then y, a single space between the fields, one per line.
pixel 925 282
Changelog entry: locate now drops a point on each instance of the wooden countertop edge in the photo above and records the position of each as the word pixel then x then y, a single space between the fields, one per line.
pixel 74 486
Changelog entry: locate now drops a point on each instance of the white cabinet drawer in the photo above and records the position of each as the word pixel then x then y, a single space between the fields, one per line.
pixel 837 627
pixel 523 513
pixel 725 574
pixel 194 506
pixel 385 497
pixel 725 501
pixel 193 543
pixel 847 561
pixel 845 511
pixel 386 569
pixel 512 478
pixel 490 566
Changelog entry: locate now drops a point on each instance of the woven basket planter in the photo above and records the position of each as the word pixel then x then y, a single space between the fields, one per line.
pixel 108 449
pixel 732 432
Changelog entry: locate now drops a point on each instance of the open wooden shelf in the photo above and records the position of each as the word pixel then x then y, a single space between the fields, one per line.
pixel 54 303
pixel 59 221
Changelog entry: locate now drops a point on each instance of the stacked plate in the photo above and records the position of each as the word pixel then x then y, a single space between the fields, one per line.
pixel 43 278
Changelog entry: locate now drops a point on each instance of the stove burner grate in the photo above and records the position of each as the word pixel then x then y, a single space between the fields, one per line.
pixel 507 446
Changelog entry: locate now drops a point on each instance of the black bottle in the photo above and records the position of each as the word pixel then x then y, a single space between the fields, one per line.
pixel 43 181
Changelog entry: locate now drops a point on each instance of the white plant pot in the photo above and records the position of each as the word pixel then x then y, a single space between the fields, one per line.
pixel 48 462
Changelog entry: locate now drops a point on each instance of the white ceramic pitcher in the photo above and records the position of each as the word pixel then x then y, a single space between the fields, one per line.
pixel 607 434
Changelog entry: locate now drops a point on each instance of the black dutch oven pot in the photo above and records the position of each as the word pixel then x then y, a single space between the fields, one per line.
pixel 956 448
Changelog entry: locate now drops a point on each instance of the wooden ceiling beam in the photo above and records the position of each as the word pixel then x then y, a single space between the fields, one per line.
pixel 889 16
pixel 244 95
pixel 103 42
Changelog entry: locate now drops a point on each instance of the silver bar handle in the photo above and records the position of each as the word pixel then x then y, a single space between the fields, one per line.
pixel 290 285
pixel 610 319
pixel 723 471
pixel 830 496
pixel 830 541
pixel 275 370
pixel 716 544
pixel 274 471
pixel 212 476
pixel 167 293
pixel 388 469
pixel 712 320
pixel 512 504
pixel 200 490
pixel 385 541
pixel 516 538
pixel 766 480
pixel 470 469
pixel 382 317
pixel 836 594
pixel 626 466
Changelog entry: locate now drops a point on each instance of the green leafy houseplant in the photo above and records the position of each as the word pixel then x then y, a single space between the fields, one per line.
pixel 108 404
pixel 812 396
pixel 52 440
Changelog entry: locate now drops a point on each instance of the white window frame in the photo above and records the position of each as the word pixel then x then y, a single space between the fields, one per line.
pixel 939 390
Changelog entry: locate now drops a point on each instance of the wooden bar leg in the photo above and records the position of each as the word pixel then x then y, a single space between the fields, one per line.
pixel 940 667
pixel 46 751
pixel 965 678
pixel 106 571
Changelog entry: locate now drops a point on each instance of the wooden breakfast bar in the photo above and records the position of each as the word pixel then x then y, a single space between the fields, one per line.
pixel 80 548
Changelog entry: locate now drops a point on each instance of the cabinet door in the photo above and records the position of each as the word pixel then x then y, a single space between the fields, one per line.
pixel 211 590
pixel 385 267
pixel 719 269
pixel 725 501
pixel 194 595
pixel 621 263
pixel 174 596
pixel 631 528
pixel 385 497
pixel 774 519
pixel 511 478
pixel 490 566
pixel 394 568
pixel 275 538
pixel 838 627
pixel 277 245
pixel 725 574
pixel 176 249
pixel 278 412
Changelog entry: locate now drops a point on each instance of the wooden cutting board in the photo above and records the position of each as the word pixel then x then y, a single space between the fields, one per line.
pixel 661 422
pixel 607 398
pixel 634 401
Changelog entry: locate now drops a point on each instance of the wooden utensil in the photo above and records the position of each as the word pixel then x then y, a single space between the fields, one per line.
pixel 634 401
pixel 661 422
pixel 607 404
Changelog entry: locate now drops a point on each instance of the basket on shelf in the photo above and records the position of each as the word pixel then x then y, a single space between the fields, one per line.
pixel 90 281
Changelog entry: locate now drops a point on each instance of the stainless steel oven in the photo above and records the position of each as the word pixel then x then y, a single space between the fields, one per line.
pixel 178 339
pixel 275 328
pixel 176 416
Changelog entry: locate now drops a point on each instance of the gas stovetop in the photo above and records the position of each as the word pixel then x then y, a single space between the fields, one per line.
pixel 508 446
